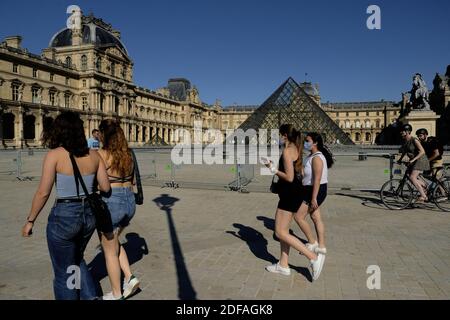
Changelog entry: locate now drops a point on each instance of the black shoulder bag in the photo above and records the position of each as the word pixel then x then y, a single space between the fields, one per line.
pixel 98 206
pixel 139 196
pixel 275 186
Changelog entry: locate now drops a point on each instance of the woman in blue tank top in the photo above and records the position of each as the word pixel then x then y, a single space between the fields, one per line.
pixel 71 222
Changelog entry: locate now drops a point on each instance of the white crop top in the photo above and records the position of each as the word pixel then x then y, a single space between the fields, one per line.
pixel 308 173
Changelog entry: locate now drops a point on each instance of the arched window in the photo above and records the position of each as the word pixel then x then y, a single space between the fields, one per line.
pixel 84 63
pixel 368 137
pixel 29 127
pixel 357 124
pixel 367 123
pixel 377 123
pixel 347 124
pixel 8 125
pixel 68 62
pixel 357 136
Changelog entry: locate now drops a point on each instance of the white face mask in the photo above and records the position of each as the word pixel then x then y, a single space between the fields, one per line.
pixel 308 145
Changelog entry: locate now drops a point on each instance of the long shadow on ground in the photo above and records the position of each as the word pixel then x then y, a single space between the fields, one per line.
pixel 257 244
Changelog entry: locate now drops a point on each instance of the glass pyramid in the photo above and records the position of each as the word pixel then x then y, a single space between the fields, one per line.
pixel 291 104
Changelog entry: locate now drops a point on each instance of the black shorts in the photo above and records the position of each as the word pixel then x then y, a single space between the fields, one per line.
pixel 307 194
pixel 290 201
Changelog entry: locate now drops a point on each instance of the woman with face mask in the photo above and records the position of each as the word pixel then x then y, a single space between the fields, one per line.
pixel 290 194
pixel 314 181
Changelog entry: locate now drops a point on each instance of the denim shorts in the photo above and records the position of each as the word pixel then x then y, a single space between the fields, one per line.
pixel 122 206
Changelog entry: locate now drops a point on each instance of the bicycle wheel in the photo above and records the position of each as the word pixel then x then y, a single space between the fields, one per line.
pixel 396 196
pixel 441 195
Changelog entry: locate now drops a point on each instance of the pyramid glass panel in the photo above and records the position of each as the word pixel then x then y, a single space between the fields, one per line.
pixel 291 104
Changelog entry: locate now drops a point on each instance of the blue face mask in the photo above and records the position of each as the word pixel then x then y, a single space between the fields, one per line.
pixel 308 145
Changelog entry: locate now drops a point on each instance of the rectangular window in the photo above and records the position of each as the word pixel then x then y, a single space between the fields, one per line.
pixel 34 73
pixel 15 92
pixel 66 101
pixel 51 76
pixel 84 103
pixel 15 68
pixel 34 95
pixel 357 114
pixel 51 97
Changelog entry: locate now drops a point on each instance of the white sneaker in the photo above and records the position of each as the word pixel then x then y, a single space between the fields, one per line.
pixel 130 287
pixel 110 296
pixel 276 268
pixel 317 265
pixel 312 246
pixel 320 250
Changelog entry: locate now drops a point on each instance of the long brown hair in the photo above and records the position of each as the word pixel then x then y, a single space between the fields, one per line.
pixel 66 131
pixel 294 136
pixel 115 143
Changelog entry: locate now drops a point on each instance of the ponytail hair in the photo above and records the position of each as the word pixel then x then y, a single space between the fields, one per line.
pixel 294 136
pixel 317 138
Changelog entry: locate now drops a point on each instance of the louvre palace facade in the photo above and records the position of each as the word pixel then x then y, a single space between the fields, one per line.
pixel 90 71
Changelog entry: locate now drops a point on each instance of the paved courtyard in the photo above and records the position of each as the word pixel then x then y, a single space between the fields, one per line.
pixel 209 244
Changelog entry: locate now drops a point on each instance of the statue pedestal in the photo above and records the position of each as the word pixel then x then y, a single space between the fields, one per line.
pixel 422 119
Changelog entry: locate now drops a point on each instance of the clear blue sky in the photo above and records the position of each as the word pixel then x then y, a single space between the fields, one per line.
pixel 239 51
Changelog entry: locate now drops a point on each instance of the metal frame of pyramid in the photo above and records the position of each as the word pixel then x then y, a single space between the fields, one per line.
pixel 292 105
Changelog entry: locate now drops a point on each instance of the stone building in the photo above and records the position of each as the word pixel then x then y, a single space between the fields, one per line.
pixel 440 103
pixel 363 121
pixel 90 71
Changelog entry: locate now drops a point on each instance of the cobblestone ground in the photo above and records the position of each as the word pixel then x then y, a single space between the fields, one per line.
pixel 208 244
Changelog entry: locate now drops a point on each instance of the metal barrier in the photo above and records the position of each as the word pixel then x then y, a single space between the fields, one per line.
pixel 358 170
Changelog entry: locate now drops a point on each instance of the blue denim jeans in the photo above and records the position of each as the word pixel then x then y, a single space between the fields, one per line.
pixel 69 229
pixel 122 206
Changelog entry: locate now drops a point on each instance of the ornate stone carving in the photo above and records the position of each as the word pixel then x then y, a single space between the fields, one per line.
pixel 115 52
pixel 194 95
pixel 97 21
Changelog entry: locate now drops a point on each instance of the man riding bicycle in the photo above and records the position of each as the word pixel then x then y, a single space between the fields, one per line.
pixel 433 149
